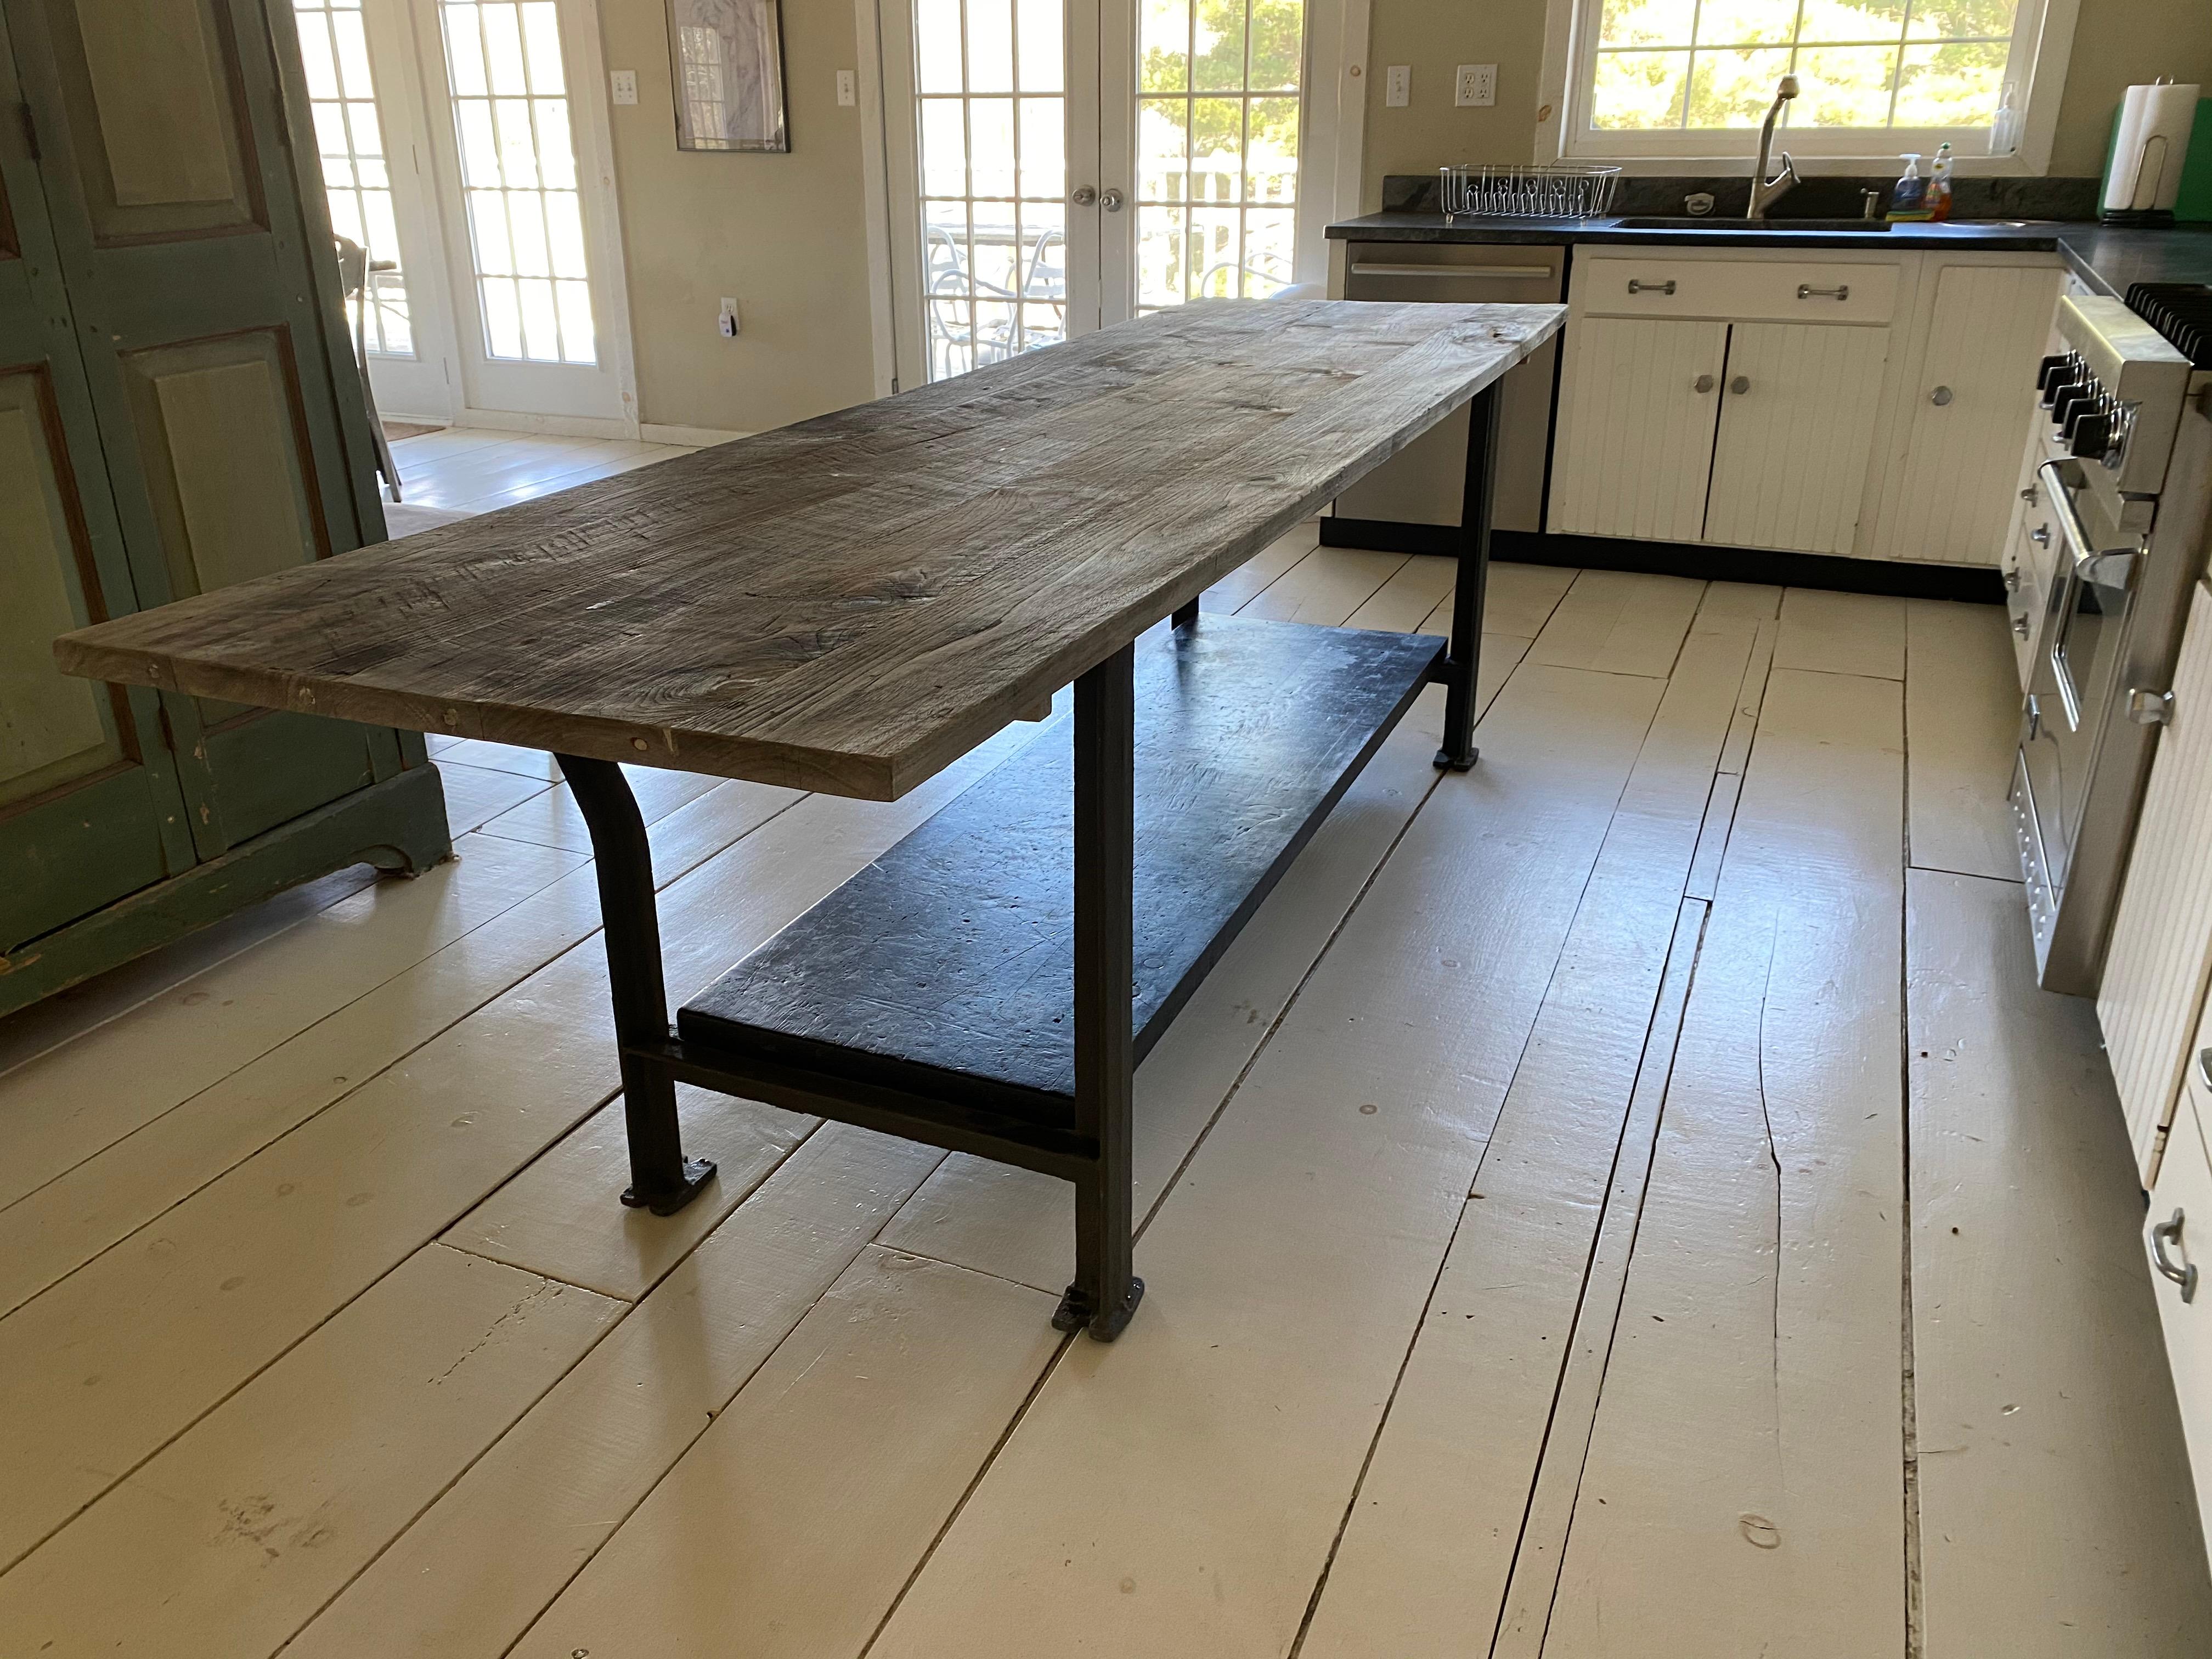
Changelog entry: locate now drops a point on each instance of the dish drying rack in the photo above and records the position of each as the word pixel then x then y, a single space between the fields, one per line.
pixel 1495 191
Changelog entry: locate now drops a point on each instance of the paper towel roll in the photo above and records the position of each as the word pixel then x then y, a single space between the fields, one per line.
pixel 2153 140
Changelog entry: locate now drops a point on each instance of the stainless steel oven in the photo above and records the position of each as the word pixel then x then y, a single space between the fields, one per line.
pixel 2114 603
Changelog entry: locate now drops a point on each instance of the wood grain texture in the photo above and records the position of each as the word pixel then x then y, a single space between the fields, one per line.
pixel 850 604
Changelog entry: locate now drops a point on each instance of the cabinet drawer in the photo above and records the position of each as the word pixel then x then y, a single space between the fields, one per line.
pixel 2184 1187
pixel 1788 291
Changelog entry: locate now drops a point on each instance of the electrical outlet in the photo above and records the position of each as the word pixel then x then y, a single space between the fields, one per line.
pixel 848 90
pixel 726 321
pixel 1476 86
pixel 1398 85
pixel 624 83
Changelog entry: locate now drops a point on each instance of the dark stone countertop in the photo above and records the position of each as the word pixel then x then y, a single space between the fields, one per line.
pixel 2106 257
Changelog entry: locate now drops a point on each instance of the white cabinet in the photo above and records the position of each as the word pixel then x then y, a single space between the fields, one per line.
pixel 2153 996
pixel 1972 398
pixel 1798 416
pixel 1634 443
pixel 2178 1229
pixel 1885 396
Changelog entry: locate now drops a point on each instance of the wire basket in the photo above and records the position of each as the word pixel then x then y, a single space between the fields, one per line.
pixel 1527 193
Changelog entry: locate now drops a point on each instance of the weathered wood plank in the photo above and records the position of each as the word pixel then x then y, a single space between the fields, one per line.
pixel 1619 623
pixel 1842 633
pixel 1744 1490
pixel 1961 726
pixel 224 1544
pixel 850 603
pixel 469 1577
pixel 2056 1513
pixel 1432 1536
pixel 1179 1491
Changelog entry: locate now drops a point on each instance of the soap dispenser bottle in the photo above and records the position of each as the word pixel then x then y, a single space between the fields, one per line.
pixel 1908 197
pixel 1939 184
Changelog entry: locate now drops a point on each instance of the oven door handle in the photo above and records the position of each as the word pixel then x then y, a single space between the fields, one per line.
pixel 2058 491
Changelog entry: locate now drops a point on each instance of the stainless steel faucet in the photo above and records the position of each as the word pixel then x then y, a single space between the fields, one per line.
pixel 1765 192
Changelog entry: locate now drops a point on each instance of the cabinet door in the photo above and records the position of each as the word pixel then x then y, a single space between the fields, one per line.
pixel 200 278
pixel 89 806
pixel 2184 1191
pixel 1973 397
pixel 1797 415
pixel 2161 950
pixel 1635 442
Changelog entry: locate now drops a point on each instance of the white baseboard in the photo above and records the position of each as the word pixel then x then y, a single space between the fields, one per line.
pixel 558 426
pixel 697 437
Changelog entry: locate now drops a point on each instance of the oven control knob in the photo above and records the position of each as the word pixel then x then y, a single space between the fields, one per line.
pixel 2050 369
pixel 2069 371
pixel 2072 396
pixel 2089 435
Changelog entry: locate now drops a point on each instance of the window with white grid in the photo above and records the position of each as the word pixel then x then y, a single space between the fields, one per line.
pixel 356 176
pixel 518 173
pixel 994 110
pixel 1216 147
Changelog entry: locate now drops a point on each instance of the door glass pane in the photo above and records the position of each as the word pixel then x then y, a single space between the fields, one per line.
pixel 994 125
pixel 1217 158
pixel 335 49
pixel 518 161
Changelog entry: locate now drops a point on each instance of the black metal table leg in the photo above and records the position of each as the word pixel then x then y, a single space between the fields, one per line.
pixel 1458 752
pixel 1186 616
pixel 1105 1291
pixel 662 1179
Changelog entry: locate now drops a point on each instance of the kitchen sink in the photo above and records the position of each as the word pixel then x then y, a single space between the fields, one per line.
pixel 1713 222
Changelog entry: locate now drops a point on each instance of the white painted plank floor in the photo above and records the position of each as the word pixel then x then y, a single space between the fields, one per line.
pixel 1629 1200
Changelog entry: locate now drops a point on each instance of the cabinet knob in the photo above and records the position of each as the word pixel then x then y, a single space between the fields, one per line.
pixel 1940 397
pixel 1111 200
pixel 1085 196
pixel 2040 535
pixel 1741 384
pixel 1703 383
pixel 2165 1232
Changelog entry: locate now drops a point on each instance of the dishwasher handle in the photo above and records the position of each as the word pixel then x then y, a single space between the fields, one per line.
pixel 1529 273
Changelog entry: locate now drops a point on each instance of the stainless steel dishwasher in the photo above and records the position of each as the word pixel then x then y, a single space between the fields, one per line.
pixel 1422 486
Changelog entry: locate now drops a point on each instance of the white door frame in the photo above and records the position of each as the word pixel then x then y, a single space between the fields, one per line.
pixel 584 65
pixel 1333 123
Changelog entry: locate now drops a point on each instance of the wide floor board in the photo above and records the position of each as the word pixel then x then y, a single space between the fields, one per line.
pixel 1628 1199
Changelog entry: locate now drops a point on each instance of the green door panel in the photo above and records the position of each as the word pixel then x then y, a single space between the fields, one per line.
pixel 190 258
pixel 269 761
pixel 68 855
pixel 90 807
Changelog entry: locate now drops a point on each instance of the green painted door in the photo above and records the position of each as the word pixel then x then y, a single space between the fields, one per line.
pixel 90 806
pixel 195 267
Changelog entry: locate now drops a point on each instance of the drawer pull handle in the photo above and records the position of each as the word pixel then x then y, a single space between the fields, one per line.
pixel 2204 1066
pixel 2161 1234
pixel 1703 383
pixel 1635 287
pixel 2040 535
pixel 1841 291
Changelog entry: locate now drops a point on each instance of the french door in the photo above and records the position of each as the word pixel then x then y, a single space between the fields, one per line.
pixel 465 143
pixel 1057 165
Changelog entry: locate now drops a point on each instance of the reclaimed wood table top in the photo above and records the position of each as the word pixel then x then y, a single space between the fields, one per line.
pixel 852 602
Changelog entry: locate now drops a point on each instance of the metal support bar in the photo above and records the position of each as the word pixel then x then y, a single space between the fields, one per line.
pixel 1458 753
pixel 1186 616
pixel 662 1179
pixel 1106 1291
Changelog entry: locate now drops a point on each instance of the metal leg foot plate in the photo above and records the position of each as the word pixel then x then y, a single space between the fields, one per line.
pixel 1075 1312
pixel 1445 762
pixel 698 1172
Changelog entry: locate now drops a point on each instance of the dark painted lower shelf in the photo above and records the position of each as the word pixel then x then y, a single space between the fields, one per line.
pixel 947 966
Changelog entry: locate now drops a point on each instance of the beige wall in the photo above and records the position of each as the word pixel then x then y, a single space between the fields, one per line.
pixel 2117 42
pixel 783 234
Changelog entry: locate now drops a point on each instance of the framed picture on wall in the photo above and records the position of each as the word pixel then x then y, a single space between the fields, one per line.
pixel 729 74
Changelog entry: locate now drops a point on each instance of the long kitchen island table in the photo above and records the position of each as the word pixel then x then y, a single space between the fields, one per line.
pixel 851 604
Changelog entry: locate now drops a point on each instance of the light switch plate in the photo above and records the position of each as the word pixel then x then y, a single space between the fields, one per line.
pixel 624 83
pixel 848 91
pixel 1475 87
pixel 1398 85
